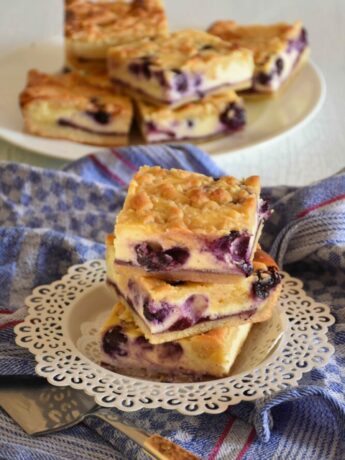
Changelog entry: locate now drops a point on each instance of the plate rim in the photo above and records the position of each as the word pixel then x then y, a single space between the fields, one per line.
pixel 11 136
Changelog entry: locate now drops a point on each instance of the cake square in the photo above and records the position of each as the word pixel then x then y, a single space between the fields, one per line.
pixel 180 68
pixel 124 349
pixel 279 50
pixel 91 27
pixel 171 310
pixel 186 226
pixel 66 107
pixel 217 114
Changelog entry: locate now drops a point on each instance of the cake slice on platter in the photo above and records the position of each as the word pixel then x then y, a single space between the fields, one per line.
pixel 279 50
pixel 65 106
pixel 124 349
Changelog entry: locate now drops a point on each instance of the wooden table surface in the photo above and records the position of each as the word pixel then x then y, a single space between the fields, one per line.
pixel 315 151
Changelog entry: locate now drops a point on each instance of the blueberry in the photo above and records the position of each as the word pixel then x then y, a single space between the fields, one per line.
pixel 180 324
pixel 190 123
pixel 197 80
pixel 181 81
pixel 114 342
pixel 100 116
pixel 135 68
pixel 233 117
pixel 235 245
pixel 151 126
pixel 263 78
pixel 153 257
pixel 267 280
pixel 143 343
pixel 279 65
pixel 156 314
pixel 169 350
pixel 161 78
pixel 146 67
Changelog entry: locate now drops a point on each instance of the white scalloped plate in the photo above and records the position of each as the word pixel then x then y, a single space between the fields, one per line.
pixel 62 323
pixel 268 118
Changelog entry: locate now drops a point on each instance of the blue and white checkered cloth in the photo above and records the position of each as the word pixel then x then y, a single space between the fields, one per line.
pixel 51 220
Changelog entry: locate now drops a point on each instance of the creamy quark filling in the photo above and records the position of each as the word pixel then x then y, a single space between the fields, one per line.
pixel 231 119
pixel 174 86
pixel 163 316
pixel 231 254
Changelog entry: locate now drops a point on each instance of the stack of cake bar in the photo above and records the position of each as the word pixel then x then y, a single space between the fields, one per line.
pixel 189 275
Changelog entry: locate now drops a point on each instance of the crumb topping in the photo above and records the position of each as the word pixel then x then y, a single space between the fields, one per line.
pixel 183 50
pixel 263 40
pixel 176 200
pixel 65 89
pixel 114 21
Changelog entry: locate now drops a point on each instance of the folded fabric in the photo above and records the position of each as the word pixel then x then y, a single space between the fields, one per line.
pixel 51 220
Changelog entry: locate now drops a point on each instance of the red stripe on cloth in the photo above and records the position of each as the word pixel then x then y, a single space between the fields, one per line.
pixel 106 170
pixel 124 160
pixel 6 312
pixel 221 439
pixel 10 324
pixel 320 205
pixel 248 443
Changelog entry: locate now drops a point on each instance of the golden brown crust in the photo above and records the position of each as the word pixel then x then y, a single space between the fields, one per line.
pixel 263 40
pixel 114 22
pixel 178 200
pixel 192 50
pixel 67 89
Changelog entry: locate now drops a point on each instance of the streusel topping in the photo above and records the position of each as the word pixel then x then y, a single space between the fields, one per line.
pixel 183 50
pixel 176 200
pixel 70 87
pixel 263 40
pixel 114 20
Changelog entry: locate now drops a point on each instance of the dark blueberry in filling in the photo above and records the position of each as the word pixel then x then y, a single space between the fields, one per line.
pixel 233 117
pixel 263 78
pixel 151 126
pixel 197 80
pixel 66 69
pixel 100 116
pixel 161 78
pixel 146 67
pixel 180 324
pixel 135 68
pixel 279 65
pixel 114 342
pixel 153 257
pixel 264 210
pixel 170 350
pixel 143 343
pixel 152 313
pixel 216 179
pixel 267 280
pixel 181 81
pixel 190 123
pixel 236 246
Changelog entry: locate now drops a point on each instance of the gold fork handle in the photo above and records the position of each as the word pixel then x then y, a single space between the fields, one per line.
pixel 163 449
pixel 155 445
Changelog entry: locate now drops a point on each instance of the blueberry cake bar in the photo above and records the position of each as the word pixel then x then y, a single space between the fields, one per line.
pixel 171 310
pixel 92 27
pixel 279 50
pixel 124 349
pixel 217 114
pixel 182 225
pixel 180 68
pixel 64 106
